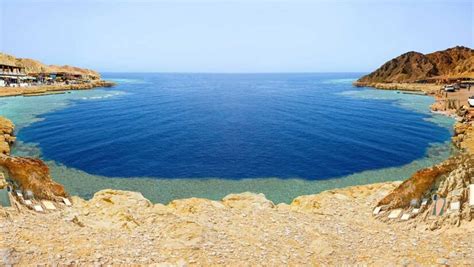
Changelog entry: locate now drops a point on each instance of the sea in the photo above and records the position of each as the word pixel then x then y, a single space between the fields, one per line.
pixel 180 135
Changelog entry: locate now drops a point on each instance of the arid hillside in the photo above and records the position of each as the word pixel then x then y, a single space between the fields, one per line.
pixel 456 62
pixel 34 66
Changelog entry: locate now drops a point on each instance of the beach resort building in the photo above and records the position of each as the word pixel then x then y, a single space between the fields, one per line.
pixel 11 75
pixel 16 76
pixel 24 72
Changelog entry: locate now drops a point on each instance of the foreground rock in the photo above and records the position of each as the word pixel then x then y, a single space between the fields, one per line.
pixel 334 227
pixel 32 174
pixel 415 200
pixel 417 186
pixel 6 135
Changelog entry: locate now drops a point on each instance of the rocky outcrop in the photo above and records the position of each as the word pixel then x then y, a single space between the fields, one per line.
pixel 331 228
pixel 34 66
pixel 28 173
pixel 449 181
pixel 452 62
pixel 411 67
pixel 463 137
pixel 32 174
pixel 454 188
pixel 248 200
pixel 6 135
pixel 417 185
pixel 121 208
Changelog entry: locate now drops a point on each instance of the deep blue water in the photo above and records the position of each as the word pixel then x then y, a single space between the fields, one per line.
pixel 233 126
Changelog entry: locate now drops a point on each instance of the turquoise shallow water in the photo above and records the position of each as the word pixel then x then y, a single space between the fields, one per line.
pixel 25 111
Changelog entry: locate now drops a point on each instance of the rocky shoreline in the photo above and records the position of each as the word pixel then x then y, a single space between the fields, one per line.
pixel 426 88
pixel 6 135
pixel 333 227
pixel 50 89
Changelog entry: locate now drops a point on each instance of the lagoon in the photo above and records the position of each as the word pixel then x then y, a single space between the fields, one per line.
pixel 181 135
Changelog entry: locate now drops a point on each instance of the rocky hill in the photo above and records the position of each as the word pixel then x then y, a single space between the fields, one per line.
pixel 411 67
pixel 34 66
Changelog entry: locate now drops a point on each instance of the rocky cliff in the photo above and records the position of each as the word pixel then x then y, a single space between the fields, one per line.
pixel 6 135
pixel 34 66
pixel 32 174
pixel 411 67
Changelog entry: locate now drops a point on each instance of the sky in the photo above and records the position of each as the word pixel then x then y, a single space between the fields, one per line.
pixel 231 35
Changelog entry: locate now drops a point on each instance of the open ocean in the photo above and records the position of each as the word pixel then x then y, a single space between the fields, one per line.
pixel 218 129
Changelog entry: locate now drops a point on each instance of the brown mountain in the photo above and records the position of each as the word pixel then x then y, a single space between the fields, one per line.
pixel 34 66
pixel 456 62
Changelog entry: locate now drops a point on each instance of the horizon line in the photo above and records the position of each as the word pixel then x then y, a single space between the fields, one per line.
pixel 203 72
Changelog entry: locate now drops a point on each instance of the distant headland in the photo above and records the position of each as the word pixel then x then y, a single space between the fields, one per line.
pixel 24 76
pixel 412 69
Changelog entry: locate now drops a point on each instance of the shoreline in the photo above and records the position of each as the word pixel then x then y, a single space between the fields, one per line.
pixel 357 176
pixel 279 190
pixel 332 227
pixel 51 89
pixel 407 87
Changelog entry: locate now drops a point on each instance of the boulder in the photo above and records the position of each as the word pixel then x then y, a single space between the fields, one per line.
pixel 417 185
pixel 306 203
pixel 33 174
pixel 112 209
pixel 194 205
pixel 6 135
pixel 248 200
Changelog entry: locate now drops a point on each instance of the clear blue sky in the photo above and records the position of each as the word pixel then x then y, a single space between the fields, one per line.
pixel 231 36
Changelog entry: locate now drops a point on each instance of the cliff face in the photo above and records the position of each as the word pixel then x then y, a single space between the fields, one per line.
pixel 33 174
pixel 454 62
pixel 6 135
pixel 34 66
pixel 30 174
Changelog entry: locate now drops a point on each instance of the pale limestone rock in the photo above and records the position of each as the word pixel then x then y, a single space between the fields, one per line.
pixel 119 197
pixel 194 205
pixel 321 247
pixel 283 207
pixel 248 200
pixel 112 209
pixel 119 227
pixel 306 203
pixel 7 256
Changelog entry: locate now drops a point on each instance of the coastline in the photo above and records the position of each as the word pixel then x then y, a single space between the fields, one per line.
pixel 409 87
pixel 280 190
pixel 51 89
pixel 317 228
pixel 456 137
